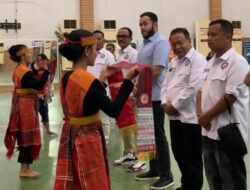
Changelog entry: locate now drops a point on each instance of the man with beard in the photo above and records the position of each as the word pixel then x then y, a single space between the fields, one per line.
pixel 222 87
pixel 103 58
pixel 155 52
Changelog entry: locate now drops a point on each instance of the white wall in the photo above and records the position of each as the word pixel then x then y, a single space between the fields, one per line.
pixel 238 10
pixel 171 14
pixel 39 18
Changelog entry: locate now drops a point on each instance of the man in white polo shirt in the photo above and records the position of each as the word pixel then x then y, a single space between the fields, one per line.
pixel 103 58
pixel 223 79
pixel 178 98
pixel 128 54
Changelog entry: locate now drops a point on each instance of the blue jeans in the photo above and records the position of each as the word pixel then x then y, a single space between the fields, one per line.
pixel 223 173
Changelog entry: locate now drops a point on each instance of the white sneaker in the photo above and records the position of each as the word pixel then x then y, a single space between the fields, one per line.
pixel 126 159
pixel 136 166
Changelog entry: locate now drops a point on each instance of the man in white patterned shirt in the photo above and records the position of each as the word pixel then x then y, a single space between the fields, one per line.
pixel 178 97
pixel 128 54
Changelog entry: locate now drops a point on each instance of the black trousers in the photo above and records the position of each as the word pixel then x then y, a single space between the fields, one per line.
pixel 222 172
pixel 186 144
pixel 161 165
pixel 25 155
pixel 43 110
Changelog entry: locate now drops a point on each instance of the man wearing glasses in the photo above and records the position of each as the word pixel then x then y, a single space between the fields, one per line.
pixel 128 54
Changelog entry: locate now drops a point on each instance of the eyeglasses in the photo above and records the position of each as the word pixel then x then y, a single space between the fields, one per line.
pixel 122 36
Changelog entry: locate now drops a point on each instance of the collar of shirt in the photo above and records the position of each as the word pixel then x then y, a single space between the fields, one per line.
pixel 152 38
pixel 188 55
pixel 225 56
pixel 101 51
pixel 125 50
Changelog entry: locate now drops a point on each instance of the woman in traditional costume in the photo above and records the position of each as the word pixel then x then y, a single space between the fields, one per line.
pixel 82 158
pixel 23 123
pixel 37 68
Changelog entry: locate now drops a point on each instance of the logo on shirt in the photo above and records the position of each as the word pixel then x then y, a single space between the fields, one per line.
pixel 126 56
pixel 144 98
pixel 102 56
pixel 224 65
pixel 187 63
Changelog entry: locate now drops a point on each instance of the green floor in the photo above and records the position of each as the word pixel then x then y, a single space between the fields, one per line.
pixel 120 179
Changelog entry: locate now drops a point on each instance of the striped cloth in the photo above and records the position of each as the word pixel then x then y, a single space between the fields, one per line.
pixel 146 148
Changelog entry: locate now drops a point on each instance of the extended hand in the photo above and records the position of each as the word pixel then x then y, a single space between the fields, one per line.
pixel 106 72
pixel 134 91
pixel 36 66
pixel 132 73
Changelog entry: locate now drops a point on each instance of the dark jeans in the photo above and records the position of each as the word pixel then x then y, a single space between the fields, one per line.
pixel 187 148
pixel 25 155
pixel 161 165
pixel 43 110
pixel 222 172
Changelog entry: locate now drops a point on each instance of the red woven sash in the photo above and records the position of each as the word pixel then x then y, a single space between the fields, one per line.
pixel 146 148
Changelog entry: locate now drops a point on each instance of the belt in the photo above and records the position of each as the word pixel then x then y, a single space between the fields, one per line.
pixel 84 120
pixel 24 90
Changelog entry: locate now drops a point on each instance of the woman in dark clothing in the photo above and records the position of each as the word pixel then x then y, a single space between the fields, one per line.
pixel 82 161
pixel 23 124
pixel 38 69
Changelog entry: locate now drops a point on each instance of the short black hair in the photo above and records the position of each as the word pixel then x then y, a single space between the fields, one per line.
pixel 99 31
pixel 181 30
pixel 133 45
pixel 129 31
pixel 43 56
pixel 151 15
pixel 226 26
pixel 113 45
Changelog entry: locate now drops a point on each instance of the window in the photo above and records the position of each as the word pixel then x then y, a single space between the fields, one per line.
pixel 109 24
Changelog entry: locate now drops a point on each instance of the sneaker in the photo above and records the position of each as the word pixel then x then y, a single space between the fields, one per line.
pixel 126 159
pixel 146 176
pixel 162 184
pixel 136 166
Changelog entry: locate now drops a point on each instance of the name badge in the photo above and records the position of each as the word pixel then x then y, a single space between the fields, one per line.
pixel 126 56
pixel 187 62
pixel 224 65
